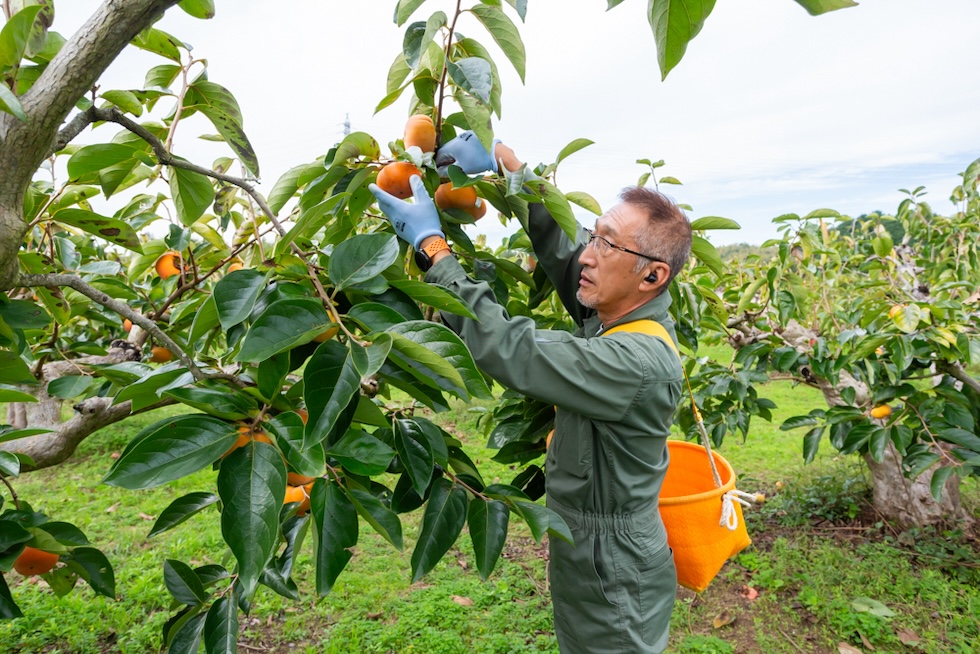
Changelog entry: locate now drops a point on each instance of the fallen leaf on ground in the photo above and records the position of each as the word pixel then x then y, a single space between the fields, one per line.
pixel 722 619
pixel 146 517
pixel 112 509
pixel 907 636
pixel 374 616
pixel 866 642
pixel 844 648
pixel 748 592
pixel 114 455
pixel 462 601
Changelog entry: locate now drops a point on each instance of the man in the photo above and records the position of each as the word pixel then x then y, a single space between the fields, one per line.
pixel 613 591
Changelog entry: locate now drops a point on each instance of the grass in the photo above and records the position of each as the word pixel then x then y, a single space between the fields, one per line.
pixel 815 565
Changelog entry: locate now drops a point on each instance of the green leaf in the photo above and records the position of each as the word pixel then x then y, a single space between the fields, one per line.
pixel 572 148
pixel 817 7
pixel 252 485
pixel 868 605
pixel 186 632
pixel 361 257
pixel 221 108
pixel 415 453
pixel 442 522
pixel 192 193
pixel 158 42
pixel 283 325
pixel 11 104
pixel 960 437
pixel 505 33
pixel 556 204
pixel 336 524
pixel 811 442
pixel 541 520
pixel 11 394
pixel 125 100
pixel 938 481
pixel 714 222
pixel 477 114
pixel 448 360
pixel 419 36
pixel 404 9
pixel 434 295
pixel 288 429
pixel 198 9
pixel 381 518
pixel 707 254
pixel 354 145
pixel 14 36
pixel 219 402
pixel 172 449
pixel 13 369
pixel 182 583
pixel 473 75
pixel 235 295
pixel 362 453
pixel 221 626
pixel 674 24
pixel 287 185
pixel 8 607
pixel 585 201
pixel 907 318
pixel 330 380
pixel 180 510
pixel 110 229
pixel 9 464
pixel 161 76
pixel 69 386
pixel 93 566
pixel 488 522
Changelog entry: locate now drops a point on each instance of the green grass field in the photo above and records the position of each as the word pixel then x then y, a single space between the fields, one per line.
pixel 822 575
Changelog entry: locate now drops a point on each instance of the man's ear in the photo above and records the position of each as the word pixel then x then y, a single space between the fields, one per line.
pixel 655 276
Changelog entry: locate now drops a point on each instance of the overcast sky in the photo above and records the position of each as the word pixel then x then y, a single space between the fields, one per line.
pixel 771 110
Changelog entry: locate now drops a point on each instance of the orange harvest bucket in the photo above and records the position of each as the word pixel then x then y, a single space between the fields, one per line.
pixel 691 509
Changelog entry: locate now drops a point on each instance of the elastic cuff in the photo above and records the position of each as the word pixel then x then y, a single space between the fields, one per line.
pixel 424 235
pixel 493 156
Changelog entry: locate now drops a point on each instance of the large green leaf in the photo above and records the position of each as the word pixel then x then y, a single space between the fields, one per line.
pixel 362 453
pixel 183 583
pixel 92 158
pixel 180 510
pixel 477 114
pixel 287 185
pixel 198 9
pixel 8 607
pixel 220 402
pixel 442 522
pixel 185 632
pixel 330 380
pixel 714 222
pixel 674 24
pixel 473 75
pixel 173 449
pixel 434 295
pixel 557 205
pixel 220 106
pixel 284 325
pixel 110 229
pixel 14 36
pixel 404 9
pixel 69 386
pixel 221 627
pixel 382 519
pixel 14 370
pixel 817 7
pixel 360 258
pixel 447 359
pixel 11 104
pixel 488 522
pixel 159 42
pixel 336 524
pixel 192 193
pixel 505 33
pixel 415 453
pixel 572 148
pixel 707 254
pixel 252 485
pixel 235 295
pixel 93 566
pixel 354 145
pixel 419 35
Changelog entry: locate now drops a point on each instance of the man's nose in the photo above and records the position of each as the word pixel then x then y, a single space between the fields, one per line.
pixel 587 257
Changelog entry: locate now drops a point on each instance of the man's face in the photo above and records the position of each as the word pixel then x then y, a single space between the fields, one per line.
pixel 609 282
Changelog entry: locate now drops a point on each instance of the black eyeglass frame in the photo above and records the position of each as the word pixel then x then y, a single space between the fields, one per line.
pixel 593 236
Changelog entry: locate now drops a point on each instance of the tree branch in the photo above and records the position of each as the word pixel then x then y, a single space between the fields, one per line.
pixel 956 371
pixel 78 284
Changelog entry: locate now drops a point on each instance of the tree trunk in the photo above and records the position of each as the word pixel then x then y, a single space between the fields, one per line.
pixel 909 502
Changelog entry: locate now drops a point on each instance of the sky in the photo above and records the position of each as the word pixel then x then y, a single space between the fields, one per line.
pixel 771 111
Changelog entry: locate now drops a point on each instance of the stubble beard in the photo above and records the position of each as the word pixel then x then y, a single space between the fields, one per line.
pixel 587 302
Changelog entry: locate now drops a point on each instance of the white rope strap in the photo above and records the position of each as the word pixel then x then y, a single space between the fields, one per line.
pixel 729 517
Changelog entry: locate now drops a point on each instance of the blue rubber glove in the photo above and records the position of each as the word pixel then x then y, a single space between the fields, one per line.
pixel 412 222
pixel 468 153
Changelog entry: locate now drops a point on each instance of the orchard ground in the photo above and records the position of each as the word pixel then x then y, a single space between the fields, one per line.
pixel 822 570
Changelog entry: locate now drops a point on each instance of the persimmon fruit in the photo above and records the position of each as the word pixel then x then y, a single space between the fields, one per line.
pixel 245 435
pixel 235 265
pixel 127 325
pixel 394 177
pixel 33 561
pixel 160 354
pixel 881 412
pixel 168 264
pixel 421 132
pixel 327 335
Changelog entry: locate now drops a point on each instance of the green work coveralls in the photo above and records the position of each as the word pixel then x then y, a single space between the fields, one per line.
pixel 613 591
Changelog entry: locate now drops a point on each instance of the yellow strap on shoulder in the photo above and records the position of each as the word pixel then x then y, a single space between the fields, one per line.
pixel 646 326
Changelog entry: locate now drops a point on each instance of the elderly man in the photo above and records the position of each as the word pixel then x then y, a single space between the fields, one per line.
pixel 614 589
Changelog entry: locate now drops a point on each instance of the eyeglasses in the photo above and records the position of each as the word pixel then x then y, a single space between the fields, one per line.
pixel 602 245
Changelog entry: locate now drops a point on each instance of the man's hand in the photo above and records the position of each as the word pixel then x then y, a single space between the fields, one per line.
pixel 412 222
pixel 468 153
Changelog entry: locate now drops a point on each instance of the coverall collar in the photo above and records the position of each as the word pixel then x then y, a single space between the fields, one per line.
pixel 656 309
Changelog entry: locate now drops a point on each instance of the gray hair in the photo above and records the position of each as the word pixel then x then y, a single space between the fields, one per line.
pixel 668 236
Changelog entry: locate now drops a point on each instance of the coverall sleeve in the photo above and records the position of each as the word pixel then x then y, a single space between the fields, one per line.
pixel 600 378
pixel 558 256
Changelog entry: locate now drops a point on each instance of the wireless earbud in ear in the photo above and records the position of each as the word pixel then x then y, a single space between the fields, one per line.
pixel 652 278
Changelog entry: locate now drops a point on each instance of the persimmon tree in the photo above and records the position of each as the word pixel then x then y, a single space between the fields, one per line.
pixel 306 346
